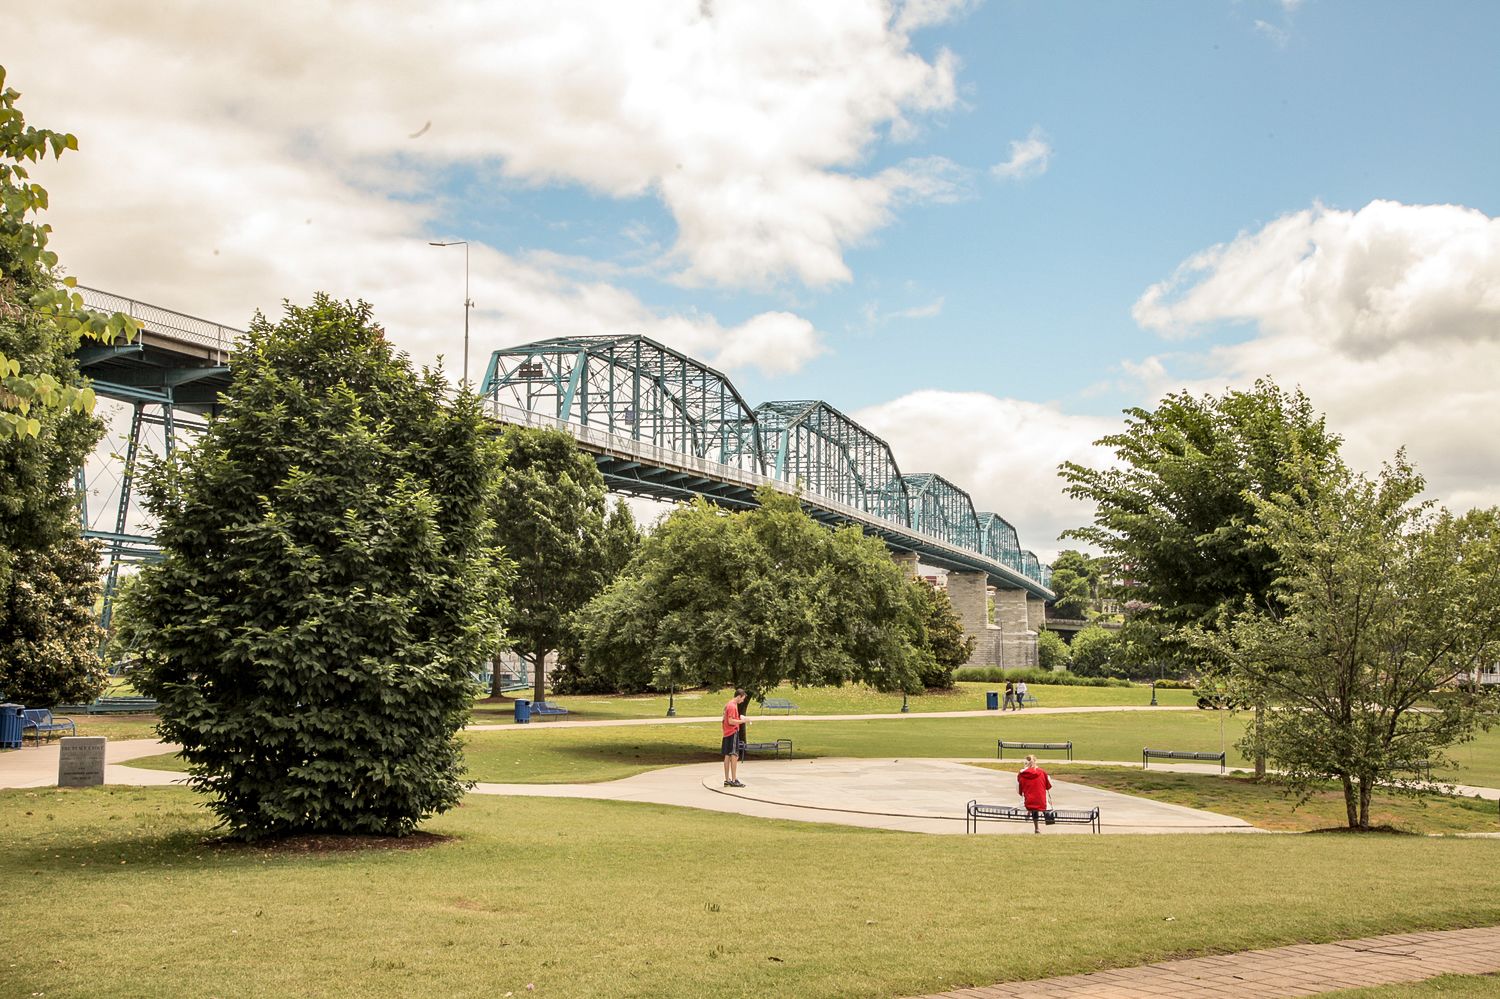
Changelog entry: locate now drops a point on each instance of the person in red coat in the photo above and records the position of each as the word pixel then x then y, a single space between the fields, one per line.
pixel 1034 785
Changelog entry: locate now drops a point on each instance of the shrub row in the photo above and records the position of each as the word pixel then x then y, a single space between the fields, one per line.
pixel 997 674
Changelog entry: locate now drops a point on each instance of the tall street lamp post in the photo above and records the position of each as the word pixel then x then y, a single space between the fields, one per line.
pixel 468 302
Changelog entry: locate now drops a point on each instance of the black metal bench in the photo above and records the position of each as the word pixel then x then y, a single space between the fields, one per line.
pixel 40 722
pixel 1179 754
pixel 547 709
pixel 976 813
pixel 774 748
pixel 779 704
pixel 1418 768
pixel 1002 746
pixel 113 706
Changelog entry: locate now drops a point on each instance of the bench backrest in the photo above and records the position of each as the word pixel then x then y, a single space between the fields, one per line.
pixel 38 716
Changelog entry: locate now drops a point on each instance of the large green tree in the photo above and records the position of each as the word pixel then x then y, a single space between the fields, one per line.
pixel 48 573
pixel 755 599
pixel 1175 513
pixel 1385 603
pixel 327 588
pixel 1075 580
pixel 548 513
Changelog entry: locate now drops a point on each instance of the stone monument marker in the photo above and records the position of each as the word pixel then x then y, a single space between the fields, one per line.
pixel 80 761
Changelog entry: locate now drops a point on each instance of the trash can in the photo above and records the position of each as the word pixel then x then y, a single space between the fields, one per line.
pixel 11 717
pixel 992 700
pixel 523 711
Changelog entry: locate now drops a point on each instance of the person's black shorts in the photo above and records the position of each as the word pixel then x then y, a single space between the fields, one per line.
pixel 730 745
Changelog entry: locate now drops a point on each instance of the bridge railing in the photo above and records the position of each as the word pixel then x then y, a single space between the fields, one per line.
pixel 153 317
pixel 629 447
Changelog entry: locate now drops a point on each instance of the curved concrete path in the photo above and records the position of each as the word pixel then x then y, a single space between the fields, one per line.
pixel 912 795
pixel 921 795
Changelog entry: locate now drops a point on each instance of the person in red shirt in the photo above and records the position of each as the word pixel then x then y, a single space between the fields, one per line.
pixel 1034 784
pixel 731 731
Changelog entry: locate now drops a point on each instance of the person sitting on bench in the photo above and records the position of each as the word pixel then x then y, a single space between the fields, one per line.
pixel 1034 785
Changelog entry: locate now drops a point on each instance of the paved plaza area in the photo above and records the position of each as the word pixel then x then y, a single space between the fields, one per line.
pixel 1302 970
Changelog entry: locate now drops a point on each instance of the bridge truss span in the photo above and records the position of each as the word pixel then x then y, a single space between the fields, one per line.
pixel 633 387
pixel 811 443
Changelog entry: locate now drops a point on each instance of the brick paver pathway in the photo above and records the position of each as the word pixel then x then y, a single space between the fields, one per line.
pixel 1303 970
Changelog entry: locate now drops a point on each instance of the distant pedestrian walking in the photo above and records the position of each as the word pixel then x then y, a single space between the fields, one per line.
pixel 731 730
pixel 1035 787
pixel 1020 695
pixel 1010 697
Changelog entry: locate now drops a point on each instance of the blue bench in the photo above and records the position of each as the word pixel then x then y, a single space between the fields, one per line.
pixel 113 706
pixel 547 709
pixel 779 704
pixel 40 722
pixel 1179 754
pixel 975 813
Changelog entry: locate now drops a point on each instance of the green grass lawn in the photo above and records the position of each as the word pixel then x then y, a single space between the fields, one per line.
pixel 854 699
pixel 1264 804
pixel 545 755
pixel 1461 986
pixel 605 899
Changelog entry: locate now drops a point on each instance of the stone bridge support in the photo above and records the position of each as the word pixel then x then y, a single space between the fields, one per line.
pixel 969 594
pixel 1014 611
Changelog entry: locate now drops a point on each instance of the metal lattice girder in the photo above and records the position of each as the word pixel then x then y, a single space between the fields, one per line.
pixel 1031 566
pixel 630 386
pixel 998 540
pixel 943 510
pixel 811 443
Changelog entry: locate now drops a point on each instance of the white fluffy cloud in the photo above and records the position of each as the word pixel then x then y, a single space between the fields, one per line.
pixel 1003 452
pixel 1029 157
pixel 1388 317
pixel 748 119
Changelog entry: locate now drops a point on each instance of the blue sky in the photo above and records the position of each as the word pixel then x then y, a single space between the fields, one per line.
pixel 814 198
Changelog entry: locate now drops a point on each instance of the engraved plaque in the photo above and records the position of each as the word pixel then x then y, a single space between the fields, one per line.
pixel 80 761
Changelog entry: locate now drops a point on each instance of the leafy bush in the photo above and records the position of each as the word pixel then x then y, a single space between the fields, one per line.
pixel 325 593
pixel 999 674
pixel 1176 684
pixel 1051 651
pixel 1094 653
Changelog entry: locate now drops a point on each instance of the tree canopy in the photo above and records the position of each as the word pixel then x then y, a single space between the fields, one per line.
pixel 755 599
pixel 548 514
pixel 1383 604
pixel 1175 514
pixel 326 590
pixel 48 572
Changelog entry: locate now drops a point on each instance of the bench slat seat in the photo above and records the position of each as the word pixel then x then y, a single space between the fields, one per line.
pixel 547 709
pixel 1180 754
pixel 977 812
pixel 775 748
pixel 41 721
pixel 1002 745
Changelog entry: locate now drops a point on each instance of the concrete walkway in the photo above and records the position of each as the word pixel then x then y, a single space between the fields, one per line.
pixel 36 766
pixel 920 795
pixel 1301 970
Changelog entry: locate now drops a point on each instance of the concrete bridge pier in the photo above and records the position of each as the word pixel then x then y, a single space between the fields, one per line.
pixel 908 562
pixel 1014 612
pixel 969 594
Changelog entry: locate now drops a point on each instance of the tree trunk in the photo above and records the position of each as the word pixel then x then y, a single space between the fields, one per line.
pixel 1260 746
pixel 1351 801
pixel 1366 785
pixel 495 689
pixel 539 673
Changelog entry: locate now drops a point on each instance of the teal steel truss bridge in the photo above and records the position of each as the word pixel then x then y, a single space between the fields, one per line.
pixel 657 422
pixel 662 424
